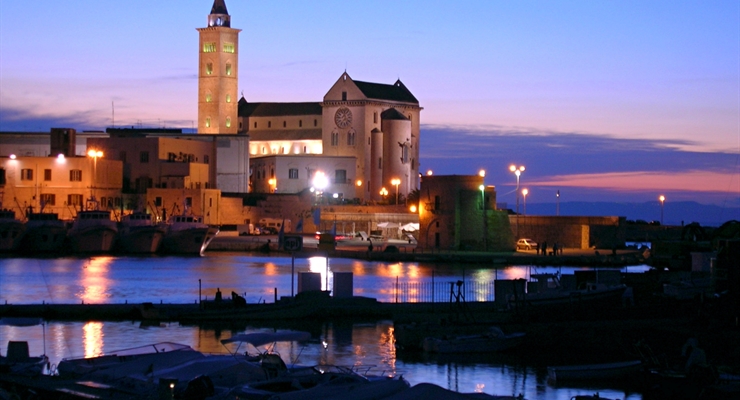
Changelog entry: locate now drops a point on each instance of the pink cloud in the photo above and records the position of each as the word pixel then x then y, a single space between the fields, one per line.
pixel 695 181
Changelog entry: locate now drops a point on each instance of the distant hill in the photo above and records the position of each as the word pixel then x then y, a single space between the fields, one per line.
pixel 674 213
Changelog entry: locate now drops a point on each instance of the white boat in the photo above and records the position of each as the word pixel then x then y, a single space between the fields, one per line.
pixel 92 231
pixel 492 341
pixel 11 230
pixel 546 289
pixel 138 234
pixel 45 233
pixel 187 234
pixel 607 371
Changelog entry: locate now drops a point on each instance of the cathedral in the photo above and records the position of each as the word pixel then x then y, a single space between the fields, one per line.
pixel 362 139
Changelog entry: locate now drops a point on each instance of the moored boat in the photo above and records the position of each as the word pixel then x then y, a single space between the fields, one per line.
pixel 92 231
pixel 138 234
pixel 187 234
pixel 11 230
pixel 493 340
pixel 45 233
pixel 606 371
pixel 547 290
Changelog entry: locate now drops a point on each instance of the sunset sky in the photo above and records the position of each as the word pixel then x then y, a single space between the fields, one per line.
pixel 601 100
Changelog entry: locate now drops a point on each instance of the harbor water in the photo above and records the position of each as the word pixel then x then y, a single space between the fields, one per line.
pixel 370 345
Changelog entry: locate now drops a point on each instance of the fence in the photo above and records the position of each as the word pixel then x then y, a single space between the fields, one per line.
pixel 442 292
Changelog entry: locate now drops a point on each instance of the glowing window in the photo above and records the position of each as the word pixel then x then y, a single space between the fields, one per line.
pixel 209 68
pixel 228 98
pixel 228 122
pixel 208 122
pixel 74 199
pixel 48 199
pixel 209 47
pixel 26 174
pixel 351 138
pixel 293 173
pixel 208 98
pixel 228 69
pixel 228 47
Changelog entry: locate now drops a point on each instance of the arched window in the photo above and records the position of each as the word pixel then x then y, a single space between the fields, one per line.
pixel 228 122
pixel 208 122
pixel 351 138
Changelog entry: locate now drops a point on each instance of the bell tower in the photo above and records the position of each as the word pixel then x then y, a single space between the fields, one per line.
pixel 218 73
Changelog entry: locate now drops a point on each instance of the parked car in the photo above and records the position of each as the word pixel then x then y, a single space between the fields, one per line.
pixel 526 244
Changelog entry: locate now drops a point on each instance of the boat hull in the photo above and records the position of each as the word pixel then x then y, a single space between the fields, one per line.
pixel 192 241
pixel 608 371
pixel 11 233
pixel 140 240
pixel 95 239
pixel 44 239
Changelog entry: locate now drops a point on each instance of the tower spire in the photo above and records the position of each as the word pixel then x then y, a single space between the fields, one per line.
pixel 219 15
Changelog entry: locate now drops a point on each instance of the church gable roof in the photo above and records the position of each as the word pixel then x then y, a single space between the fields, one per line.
pixel 380 91
pixel 247 109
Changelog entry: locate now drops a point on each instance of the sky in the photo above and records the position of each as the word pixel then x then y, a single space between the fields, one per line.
pixel 599 100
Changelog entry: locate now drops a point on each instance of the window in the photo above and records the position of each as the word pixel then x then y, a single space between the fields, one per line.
pixel 264 151
pixel 293 173
pixel 437 202
pixel 210 202
pixel 285 124
pixel 74 199
pixel 300 123
pixel 413 163
pixel 209 68
pixel 158 201
pixel 316 122
pixel 2 176
pixel 47 174
pixel 228 98
pixel 228 122
pixel 335 139
pixel 228 47
pixel 375 117
pixel 340 176
pixel 118 202
pixel 209 47
pixel 272 172
pixel 209 98
pixel 269 124
pixel 344 96
pixel 48 199
pixel 75 175
pixel 255 125
pixel 405 154
pixel 206 159
pixel 208 122
pixel 351 138
pixel 189 201
pixel 26 174
pixel 380 162
pixel 305 149
pixel 144 157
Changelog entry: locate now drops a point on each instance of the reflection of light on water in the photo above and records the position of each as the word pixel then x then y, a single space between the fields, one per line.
pixel 413 271
pixel 387 345
pixel 318 265
pixel 92 339
pixel 270 269
pixel 512 273
pixel 358 268
pixel 95 280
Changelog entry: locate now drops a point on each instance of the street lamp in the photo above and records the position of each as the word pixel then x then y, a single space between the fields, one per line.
pixel 662 202
pixel 383 192
pixel 557 198
pixel 483 208
pixel 95 154
pixel 525 192
pixel 517 171
pixel 396 182
pixel 320 182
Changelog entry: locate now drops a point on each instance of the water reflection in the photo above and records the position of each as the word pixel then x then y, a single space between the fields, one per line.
pixel 92 339
pixel 94 281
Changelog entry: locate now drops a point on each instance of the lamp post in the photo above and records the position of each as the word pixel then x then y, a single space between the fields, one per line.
pixel 525 192
pixel 483 209
pixel 396 182
pixel 94 154
pixel 662 202
pixel 383 192
pixel 518 172
pixel 557 207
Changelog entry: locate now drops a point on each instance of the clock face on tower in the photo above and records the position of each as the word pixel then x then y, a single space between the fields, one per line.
pixel 343 117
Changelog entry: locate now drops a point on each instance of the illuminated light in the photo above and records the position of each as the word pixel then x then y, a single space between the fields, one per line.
pixel 335 195
pixel 95 153
pixel 60 156
pixel 271 181
pixel 429 173
pixel 323 343
pixel 172 385
pixel 482 173
pixel 383 192
pixel 358 182
pixel 482 188
pixel 412 209
pixel 525 192
pixel 12 156
pixel 312 189
pixel 320 181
